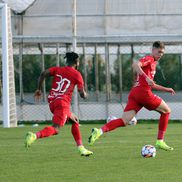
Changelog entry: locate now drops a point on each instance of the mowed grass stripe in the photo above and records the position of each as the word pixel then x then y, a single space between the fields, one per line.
pixel 116 156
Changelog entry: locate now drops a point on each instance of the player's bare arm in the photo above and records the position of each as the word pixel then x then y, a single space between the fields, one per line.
pixel 137 68
pixel 164 89
pixel 82 93
pixel 38 93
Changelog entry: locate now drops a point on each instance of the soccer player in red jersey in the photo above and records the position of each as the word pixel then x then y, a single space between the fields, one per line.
pixel 141 95
pixel 59 99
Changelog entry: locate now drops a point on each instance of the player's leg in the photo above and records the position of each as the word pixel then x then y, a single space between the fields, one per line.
pixel 46 132
pixel 163 122
pixel 165 111
pixel 59 119
pixel 130 111
pixel 154 102
pixel 113 124
pixel 120 122
pixel 75 130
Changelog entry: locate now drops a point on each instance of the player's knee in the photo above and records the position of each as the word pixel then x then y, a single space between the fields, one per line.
pixel 75 123
pixel 126 120
pixel 167 110
pixel 56 127
pixel 127 116
pixel 164 108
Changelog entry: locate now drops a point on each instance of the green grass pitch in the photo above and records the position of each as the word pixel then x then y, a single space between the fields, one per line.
pixel 116 156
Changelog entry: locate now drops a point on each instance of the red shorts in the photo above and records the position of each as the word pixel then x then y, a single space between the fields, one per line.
pixel 140 97
pixel 61 111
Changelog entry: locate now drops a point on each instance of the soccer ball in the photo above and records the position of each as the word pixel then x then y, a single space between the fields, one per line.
pixel 110 118
pixel 148 151
pixel 133 121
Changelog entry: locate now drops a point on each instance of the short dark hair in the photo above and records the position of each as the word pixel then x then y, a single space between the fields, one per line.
pixel 71 58
pixel 158 44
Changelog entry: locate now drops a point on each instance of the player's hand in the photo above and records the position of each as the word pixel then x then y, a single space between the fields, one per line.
pixel 170 90
pixel 37 95
pixel 74 118
pixel 85 95
pixel 149 81
pixel 82 93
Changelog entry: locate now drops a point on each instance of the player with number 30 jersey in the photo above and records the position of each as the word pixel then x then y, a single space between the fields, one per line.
pixel 59 99
pixel 64 81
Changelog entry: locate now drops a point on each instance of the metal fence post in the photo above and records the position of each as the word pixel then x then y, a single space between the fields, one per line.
pixel 42 69
pixel 21 72
pixel 108 83
pixel 85 68
pixel 120 73
pixel 57 54
pixel 96 74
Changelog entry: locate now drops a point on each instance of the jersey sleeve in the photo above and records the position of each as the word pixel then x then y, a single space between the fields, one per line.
pixel 145 61
pixel 53 70
pixel 80 82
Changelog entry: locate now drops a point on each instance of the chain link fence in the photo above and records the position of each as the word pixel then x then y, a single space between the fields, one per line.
pixel 106 69
pixel 110 35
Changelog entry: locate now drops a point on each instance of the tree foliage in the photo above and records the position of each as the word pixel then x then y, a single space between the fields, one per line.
pixel 168 72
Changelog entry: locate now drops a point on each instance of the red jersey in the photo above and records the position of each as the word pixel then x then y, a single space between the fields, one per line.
pixel 141 94
pixel 64 81
pixel 149 67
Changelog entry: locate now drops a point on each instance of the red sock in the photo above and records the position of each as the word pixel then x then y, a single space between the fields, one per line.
pixel 76 133
pixel 46 132
pixel 113 125
pixel 163 122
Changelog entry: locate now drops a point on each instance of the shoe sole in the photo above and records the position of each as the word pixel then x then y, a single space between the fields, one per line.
pixel 86 155
pixel 158 147
pixel 89 139
pixel 26 142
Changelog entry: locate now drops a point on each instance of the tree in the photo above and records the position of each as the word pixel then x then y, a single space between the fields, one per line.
pixel 168 71
pixel 127 74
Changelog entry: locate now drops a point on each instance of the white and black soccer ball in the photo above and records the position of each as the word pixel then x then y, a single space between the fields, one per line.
pixel 148 151
pixel 111 118
pixel 133 121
